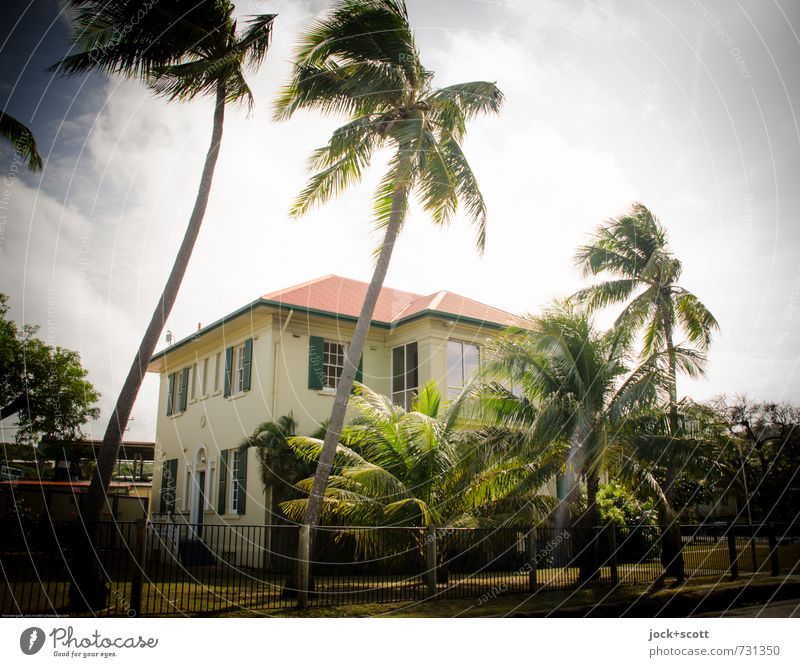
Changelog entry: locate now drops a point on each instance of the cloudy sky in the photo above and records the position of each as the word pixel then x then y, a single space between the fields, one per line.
pixel 690 106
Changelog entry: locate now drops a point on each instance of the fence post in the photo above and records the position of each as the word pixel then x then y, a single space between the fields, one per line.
pixel 612 554
pixel 532 557
pixel 140 555
pixel 732 555
pixel 303 557
pixel 430 561
pixel 773 550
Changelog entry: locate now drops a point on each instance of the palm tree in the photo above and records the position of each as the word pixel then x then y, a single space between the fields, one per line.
pixel 421 468
pixel 280 470
pixel 22 139
pixel 576 388
pixel 361 60
pixel 182 49
pixel 633 250
pixel 280 467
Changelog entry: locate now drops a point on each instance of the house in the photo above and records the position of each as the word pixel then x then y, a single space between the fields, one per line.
pixel 284 353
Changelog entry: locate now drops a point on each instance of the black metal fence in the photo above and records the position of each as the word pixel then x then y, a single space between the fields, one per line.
pixel 167 568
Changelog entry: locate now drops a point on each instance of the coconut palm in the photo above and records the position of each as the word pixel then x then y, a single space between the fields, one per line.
pixel 280 467
pixel 22 138
pixel 632 249
pixel 361 61
pixel 182 49
pixel 576 386
pixel 420 468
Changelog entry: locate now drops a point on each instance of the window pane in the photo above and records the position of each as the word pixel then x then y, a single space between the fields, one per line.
pixel 455 376
pixel 398 369
pixel 205 376
pixel 412 361
pixel 471 362
pixel 332 364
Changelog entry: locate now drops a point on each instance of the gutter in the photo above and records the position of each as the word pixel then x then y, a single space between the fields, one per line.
pixel 158 356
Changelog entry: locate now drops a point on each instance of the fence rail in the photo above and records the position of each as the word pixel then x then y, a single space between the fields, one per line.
pixel 165 568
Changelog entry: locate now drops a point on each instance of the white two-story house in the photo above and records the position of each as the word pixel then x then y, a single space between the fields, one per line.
pixel 283 353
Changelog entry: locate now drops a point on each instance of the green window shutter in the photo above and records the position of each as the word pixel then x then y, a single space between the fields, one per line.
pixel 360 370
pixel 169 478
pixel 316 352
pixel 228 370
pixel 170 393
pixel 184 389
pixel 162 505
pixel 241 480
pixel 223 478
pixel 173 483
pixel 248 358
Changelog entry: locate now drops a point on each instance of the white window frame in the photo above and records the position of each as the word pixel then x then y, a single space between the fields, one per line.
pixel 233 493
pixel 217 365
pixel 193 380
pixel 407 392
pixel 176 392
pixel 212 484
pixel 204 386
pixel 330 381
pixel 238 369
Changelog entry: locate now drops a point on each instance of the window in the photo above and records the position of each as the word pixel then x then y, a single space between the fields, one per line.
pixel 332 364
pixel 205 376
pixel 234 485
pixel 194 382
pixel 405 374
pixel 463 361
pixel 183 391
pixel 217 365
pixel 239 376
pixel 172 394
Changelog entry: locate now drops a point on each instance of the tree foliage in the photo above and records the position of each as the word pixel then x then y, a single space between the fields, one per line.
pixel 44 385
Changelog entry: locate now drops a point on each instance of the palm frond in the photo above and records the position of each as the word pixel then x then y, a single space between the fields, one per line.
pixel 22 139
pixel 695 318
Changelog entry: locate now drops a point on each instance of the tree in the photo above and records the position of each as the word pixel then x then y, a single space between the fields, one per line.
pixel 423 468
pixel 632 249
pixel 361 60
pixel 280 467
pixel 182 49
pixel 756 447
pixel 45 386
pixel 22 139
pixel 581 391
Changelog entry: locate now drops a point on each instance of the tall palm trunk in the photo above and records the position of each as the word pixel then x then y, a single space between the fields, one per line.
pixel 88 587
pixel 671 542
pixel 354 350
pixel 589 570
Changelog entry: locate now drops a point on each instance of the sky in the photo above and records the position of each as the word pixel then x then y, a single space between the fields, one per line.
pixel 689 106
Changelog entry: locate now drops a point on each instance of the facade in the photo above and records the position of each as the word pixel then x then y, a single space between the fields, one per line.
pixel 282 354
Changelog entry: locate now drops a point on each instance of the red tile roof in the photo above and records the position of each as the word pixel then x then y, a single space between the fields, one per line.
pixel 344 296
